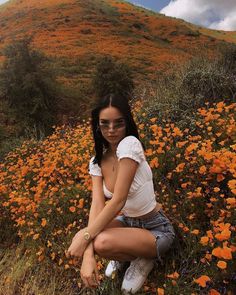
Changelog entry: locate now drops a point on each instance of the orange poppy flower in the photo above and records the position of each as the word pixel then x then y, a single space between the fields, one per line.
pixel 160 291
pixel 174 275
pixel 202 280
pixel 204 240
pixel 222 264
pixel 213 292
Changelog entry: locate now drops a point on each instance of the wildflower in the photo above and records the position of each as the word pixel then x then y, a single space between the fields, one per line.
pixel 224 235
pixel 202 169
pixel 72 209
pixel 202 280
pixel 174 275
pixel 160 291
pixel 36 236
pixel 213 292
pixel 180 167
pixel 81 203
pixel 231 201
pixel 208 256
pixel 232 185
pixel 60 261
pixel 195 231
pixel 216 189
pixel 154 163
pixel 225 252
pixel 204 240
pixel 222 264
pixel 53 255
pixel 49 244
pixel 44 222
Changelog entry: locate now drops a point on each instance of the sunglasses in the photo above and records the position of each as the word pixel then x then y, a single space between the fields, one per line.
pixel 116 125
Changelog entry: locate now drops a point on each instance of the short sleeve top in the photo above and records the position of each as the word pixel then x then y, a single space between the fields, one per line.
pixel 130 147
pixel 141 196
pixel 94 169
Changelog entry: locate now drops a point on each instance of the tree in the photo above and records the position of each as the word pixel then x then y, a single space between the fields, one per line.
pixel 29 88
pixel 112 77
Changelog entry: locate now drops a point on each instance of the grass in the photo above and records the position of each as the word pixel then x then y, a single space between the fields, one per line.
pixel 22 274
pixel 46 195
pixel 190 146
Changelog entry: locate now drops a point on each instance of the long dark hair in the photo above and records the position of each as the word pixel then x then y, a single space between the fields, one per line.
pixel 123 106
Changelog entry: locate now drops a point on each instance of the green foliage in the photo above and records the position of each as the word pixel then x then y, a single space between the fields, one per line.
pixel 139 26
pixel 179 93
pixel 29 88
pixel 112 77
pixel 186 31
pixel 8 144
pixel 8 232
pixel 9 131
pixel 210 80
pixel 95 10
pixel 49 196
pixel 28 276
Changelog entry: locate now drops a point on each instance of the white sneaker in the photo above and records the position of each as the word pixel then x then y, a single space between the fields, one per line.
pixel 112 267
pixel 136 274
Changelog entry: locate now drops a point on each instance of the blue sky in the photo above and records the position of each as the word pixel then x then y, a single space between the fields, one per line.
pixel 213 14
pixel 155 5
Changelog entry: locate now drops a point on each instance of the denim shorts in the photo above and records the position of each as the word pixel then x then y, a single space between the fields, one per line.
pixel 159 225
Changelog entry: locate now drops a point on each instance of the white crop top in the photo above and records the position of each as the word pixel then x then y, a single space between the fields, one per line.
pixel 141 197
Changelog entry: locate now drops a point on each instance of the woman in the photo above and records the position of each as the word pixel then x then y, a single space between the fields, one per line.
pixel 120 172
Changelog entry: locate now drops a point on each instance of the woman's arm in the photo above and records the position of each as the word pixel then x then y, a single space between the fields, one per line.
pixel 126 172
pixel 88 271
pixel 97 205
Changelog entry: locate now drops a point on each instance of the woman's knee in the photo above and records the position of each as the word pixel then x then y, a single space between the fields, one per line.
pixel 102 243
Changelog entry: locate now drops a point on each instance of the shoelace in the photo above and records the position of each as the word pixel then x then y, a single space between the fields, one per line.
pixel 115 264
pixel 133 269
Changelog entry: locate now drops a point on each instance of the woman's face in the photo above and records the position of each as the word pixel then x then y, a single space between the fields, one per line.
pixel 112 125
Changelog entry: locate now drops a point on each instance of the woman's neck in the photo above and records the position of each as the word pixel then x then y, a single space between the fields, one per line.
pixel 112 149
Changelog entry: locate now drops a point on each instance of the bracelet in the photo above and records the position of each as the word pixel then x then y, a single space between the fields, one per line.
pixel 87 236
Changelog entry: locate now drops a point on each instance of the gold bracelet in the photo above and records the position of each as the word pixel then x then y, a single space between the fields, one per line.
pixel 87 235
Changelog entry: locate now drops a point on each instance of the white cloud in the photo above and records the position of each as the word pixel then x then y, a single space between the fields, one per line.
pixel 215 14
pixel 3 1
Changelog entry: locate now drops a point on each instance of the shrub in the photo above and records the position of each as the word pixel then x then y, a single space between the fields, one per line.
pixel 112 76
pixel 178 94
pixel 29 88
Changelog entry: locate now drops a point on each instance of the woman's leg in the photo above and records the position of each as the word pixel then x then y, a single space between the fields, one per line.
pixel 125 243
pixel 128 244
pixel 115 223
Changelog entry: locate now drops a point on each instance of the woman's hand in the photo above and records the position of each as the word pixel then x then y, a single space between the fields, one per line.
pixel 78 245
pixel 89 272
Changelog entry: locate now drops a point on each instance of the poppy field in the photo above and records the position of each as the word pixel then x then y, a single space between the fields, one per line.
pixel 46 192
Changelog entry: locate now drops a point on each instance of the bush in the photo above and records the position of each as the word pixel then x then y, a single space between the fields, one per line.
pixel 178 94
pixel 29 87
pixel 112 77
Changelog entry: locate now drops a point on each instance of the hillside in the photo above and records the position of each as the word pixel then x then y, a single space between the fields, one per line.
pixel 74 33
pixel 46 194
